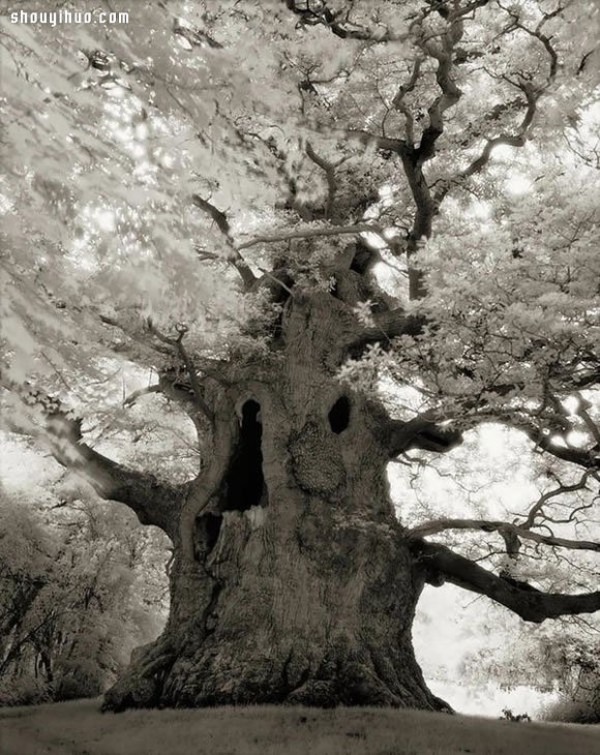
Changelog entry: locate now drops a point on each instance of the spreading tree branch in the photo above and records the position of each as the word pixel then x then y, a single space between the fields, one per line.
pixel 527 602
pixel 531 94
pixel 153 502
pixel 537 510
pixel 586 458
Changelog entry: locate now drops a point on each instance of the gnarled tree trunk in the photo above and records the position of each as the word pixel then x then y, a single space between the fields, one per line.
pixel 291 580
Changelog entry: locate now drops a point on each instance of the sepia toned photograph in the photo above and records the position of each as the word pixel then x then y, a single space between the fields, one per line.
pixel 300 377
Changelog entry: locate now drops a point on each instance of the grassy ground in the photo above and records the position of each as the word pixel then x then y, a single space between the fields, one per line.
pixel 78 728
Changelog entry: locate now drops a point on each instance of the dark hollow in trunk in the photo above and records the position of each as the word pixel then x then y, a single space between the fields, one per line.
pixel 339 416
pixel 244 481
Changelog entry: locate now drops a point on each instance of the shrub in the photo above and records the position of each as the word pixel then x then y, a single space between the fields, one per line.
pixel 572 712
pixel 24 690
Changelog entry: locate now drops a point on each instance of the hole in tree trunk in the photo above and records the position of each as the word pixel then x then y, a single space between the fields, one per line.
pixel 363 259
pixel 208 528
pixel 245 480
pixel 339 416
pixel 212 523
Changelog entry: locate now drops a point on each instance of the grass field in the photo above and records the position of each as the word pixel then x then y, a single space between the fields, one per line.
pixel 78 728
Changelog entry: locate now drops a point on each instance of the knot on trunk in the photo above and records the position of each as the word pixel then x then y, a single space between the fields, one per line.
pixel 317 463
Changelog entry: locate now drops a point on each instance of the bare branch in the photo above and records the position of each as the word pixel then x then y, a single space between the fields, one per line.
pixel 219 217
pixel 586 458
pixel 537 508
pixel 235 258
pixel 177 344
pixel 435 526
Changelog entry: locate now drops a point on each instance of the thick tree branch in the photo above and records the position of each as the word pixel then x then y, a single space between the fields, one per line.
pixel 384 326
pixel 133 397
pixel 218 216
pixel 329 169
pixel 413 159
pixel 399 104
pixel 449 91
pixel 586 458
pixel 421 432
pixel 527 602
pixel 317 13
pixel 225 433
pixel 398 146
pixel 312 233
pixel 153 502
pixel 422 227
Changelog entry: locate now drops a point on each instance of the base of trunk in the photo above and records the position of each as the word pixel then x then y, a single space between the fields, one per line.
pixel 321 618
pixel 159 677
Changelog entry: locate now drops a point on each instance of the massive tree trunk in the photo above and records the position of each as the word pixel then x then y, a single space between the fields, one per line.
pixel 291 580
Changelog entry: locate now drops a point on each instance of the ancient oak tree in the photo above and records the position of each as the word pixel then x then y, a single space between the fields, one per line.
pixel 336 234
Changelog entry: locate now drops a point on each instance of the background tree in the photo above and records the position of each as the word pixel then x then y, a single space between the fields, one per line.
pixel 298 217
pixel 79 592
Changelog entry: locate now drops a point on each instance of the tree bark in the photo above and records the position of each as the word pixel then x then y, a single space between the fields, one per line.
pixel 292 581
